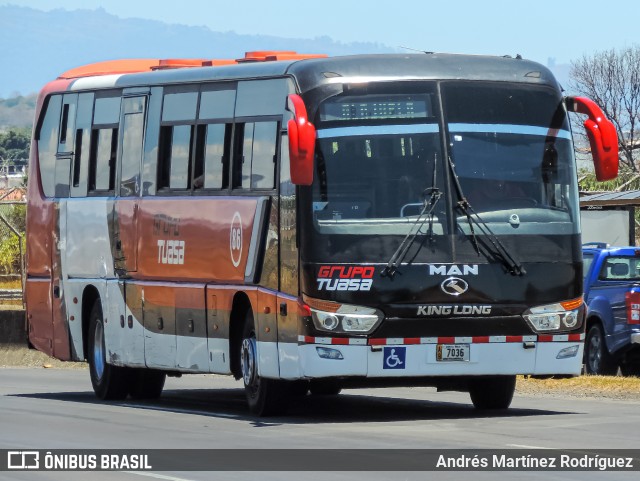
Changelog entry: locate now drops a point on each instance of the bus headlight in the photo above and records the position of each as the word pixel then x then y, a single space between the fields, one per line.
pixel 343 318
pixel 554 317
pixel 359 323
pixel 328 321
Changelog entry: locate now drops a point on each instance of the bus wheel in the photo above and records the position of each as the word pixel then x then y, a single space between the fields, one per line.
pixel 266 397
pixel 147 383
pixel 492 392
pixel 109 382
pixel 324 388
pixel 597 359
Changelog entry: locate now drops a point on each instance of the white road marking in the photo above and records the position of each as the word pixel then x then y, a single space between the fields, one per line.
pixel 157 476
pixel 526 446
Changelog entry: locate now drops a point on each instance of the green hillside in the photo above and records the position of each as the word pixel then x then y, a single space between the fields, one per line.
pixel 17 111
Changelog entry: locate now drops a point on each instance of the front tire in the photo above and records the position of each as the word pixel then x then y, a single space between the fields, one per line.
pixel 109 382
pixel 597 360
pixel 492 392
pixel 265 397
pixel 147 383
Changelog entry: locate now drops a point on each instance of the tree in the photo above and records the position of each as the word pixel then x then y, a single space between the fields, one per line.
pixel 14 144
pixel 612 80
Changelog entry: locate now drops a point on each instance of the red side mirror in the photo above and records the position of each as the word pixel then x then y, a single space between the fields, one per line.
pixel 302 142
pixel 603 138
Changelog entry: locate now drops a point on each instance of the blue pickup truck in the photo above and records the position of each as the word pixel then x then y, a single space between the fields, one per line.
pixel 612 296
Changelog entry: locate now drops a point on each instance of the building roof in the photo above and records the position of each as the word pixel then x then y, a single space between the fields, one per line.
pixel 13 194
pixel 630 197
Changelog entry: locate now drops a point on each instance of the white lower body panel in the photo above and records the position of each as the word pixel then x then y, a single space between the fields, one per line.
pixel 420 360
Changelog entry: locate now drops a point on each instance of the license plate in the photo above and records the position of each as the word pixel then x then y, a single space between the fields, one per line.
pixel 452 352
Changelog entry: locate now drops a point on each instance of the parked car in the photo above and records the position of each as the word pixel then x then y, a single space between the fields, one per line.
pixel 612 296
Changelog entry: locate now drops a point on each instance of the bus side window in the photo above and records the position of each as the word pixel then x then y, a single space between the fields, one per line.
pixel 255 155
pixel 215 117
pixel 67 123
pixel 247 155
pixel 263 164
pixel 102 162
pixel 132 138
pixel 104 144
pixel 66 145
pixel 175 152
pixel 48 144
pixel 176 140
pixel 211 169
pixel 239 146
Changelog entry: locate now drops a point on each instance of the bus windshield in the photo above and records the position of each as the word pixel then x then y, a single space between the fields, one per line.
pixel 511 147
pixel 380 156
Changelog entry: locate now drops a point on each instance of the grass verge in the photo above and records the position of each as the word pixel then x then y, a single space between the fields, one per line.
pixel 609 387
pixel 11 356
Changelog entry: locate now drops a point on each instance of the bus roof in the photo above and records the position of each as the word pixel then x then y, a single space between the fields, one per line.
pixel 309 70
pixel 428 66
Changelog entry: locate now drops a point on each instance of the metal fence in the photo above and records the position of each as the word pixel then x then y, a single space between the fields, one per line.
pixel 12 245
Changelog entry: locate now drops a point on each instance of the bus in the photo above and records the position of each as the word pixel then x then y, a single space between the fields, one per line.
pixel 309 223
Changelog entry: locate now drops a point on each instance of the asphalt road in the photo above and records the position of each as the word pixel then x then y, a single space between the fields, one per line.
pixel 56 409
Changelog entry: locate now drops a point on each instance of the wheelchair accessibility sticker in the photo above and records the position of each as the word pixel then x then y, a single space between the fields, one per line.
pixel 394 357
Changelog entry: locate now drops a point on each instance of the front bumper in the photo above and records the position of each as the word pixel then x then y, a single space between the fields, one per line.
pixel 379 358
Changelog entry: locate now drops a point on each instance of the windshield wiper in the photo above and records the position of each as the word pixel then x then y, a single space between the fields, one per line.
pixel 512 264
pixel 431 197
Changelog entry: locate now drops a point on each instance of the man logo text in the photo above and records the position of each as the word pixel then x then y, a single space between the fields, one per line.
pixel 453 270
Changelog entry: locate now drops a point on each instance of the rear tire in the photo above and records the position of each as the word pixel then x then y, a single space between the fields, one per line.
pixel 265 397
pixel 492 392
pixel 146 383
pixel 597 360
pixel 109 382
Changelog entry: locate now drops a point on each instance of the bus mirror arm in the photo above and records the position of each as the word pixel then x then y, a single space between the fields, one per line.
pixel 602 135
pixel 302 141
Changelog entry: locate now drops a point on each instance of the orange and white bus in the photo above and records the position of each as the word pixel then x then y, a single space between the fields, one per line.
pixel 309 223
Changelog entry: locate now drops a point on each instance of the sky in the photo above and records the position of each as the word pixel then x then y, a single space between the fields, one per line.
pixel 564 30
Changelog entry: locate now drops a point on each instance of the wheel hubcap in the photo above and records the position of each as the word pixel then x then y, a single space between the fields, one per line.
pixel 98 351
pixel 248 361
pixel 595 353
